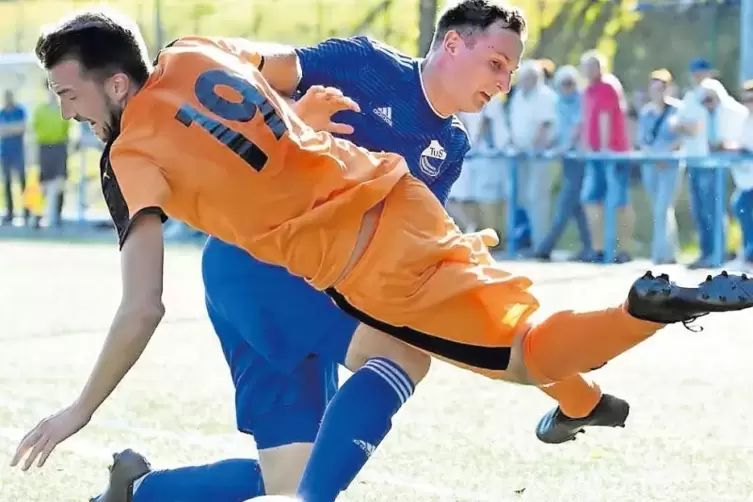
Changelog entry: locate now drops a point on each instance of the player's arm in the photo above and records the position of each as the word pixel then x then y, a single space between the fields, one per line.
pixel 134 194
pixel 138 315
pixel 137 189
pixel 288 69
pixel 278 63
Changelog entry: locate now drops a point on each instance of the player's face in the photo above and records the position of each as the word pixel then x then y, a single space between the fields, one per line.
pixel 484 65
pixel 88 99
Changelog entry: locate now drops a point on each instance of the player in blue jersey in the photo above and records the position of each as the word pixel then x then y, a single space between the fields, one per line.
pixel 282 339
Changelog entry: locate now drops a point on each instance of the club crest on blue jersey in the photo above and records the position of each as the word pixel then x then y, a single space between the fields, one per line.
pixel 432 159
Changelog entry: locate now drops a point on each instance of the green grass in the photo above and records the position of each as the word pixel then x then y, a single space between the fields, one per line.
pixel 461 437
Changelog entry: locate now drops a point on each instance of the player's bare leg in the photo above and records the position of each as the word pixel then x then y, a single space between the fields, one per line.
pixel 282 467
pixel 369 343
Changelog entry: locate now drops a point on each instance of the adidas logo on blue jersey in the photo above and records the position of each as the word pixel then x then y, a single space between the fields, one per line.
pixel 384 113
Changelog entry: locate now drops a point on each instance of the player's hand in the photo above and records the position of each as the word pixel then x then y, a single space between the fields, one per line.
pixel 317 106
pixel 50 432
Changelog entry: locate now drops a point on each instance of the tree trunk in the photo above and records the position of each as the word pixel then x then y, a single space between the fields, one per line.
pixel 427 13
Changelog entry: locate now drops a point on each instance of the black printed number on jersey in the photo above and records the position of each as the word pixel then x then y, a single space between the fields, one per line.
pixel 252 102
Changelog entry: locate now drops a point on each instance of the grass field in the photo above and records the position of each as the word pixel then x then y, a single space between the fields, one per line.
pixel 460 438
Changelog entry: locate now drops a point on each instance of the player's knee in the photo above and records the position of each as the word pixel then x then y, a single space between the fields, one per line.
pixel 369 343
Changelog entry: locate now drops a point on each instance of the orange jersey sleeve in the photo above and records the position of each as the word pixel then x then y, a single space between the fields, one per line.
pixel 240 48
pixel 240 165
pixel 132 186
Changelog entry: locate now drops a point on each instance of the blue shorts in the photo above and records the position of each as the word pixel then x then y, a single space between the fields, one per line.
pixel 13 163
pixel 600 175
pixel 282 339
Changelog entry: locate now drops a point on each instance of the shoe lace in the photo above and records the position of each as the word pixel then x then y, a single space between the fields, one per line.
pixel 688 323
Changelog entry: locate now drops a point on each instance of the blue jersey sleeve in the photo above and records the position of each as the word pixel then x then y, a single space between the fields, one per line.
pixel 442 185
pixel 333 61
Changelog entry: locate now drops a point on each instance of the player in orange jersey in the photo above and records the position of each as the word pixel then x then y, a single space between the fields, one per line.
pixel 202 137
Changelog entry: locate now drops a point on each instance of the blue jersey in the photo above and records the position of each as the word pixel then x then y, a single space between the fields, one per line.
pixel 395 114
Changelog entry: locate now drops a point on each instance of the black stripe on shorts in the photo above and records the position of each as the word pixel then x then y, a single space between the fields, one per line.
pixel 489 358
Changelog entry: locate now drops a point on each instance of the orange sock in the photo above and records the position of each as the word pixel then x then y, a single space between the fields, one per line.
pixel 568 343
pixel 577 397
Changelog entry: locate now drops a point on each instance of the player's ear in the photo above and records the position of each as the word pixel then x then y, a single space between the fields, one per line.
pixel 452 42
pixel 118 86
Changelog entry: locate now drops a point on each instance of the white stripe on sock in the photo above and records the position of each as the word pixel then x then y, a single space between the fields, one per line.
pixel 379 371
pixel 392 376
pixel 401 378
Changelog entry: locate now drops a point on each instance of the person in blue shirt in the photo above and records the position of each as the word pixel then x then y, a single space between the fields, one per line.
pixel 568 206
pixel 661 179
pixel 282 339
pixel 12 131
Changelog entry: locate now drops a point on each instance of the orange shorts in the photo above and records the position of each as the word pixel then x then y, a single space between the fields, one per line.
pixel 423 281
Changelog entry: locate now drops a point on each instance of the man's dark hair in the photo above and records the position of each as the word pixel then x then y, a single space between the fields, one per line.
pixel 469 17
pixel 103 43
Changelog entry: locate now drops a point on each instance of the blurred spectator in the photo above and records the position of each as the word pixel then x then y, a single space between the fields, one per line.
pixel 568 203
pixel 549 69
pixel 604 108
pixel 533 123
pixel 51 132
pixel 725 123
pixel 87 140
pixel 637 102
pixel 12 132
pixel 691 125
pixel 742 174
pixel 490 185
pixel 462 202
pixel 477 197
pixel 661 179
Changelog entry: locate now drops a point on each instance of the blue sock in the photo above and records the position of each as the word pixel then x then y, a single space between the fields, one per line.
pixel 355 422
pixel 233 480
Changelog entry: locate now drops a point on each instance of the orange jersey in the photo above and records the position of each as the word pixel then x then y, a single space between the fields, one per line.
pixel 207 141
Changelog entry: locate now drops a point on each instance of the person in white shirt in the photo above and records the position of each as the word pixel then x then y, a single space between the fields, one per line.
pixel 477 197
pixel 690 125
pixel 490 182
pixel 742 174
pixel 533 128
pixel 461 204
pixel 726 117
